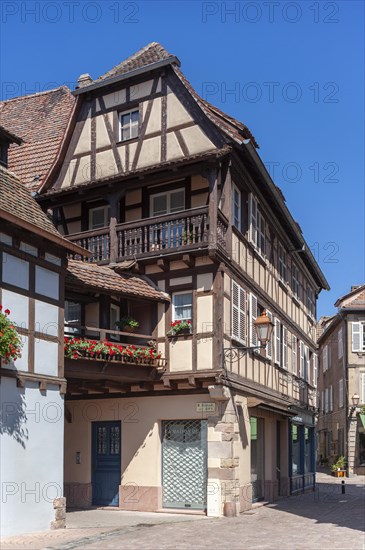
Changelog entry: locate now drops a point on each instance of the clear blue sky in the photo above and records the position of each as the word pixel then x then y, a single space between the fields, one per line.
pixel 295 70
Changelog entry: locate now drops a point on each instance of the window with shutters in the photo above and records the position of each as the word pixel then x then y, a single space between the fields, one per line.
pixel 238 331
pixel 315 369
pixel 236 207
pixel 306 363
pixel 253 317
pixel 358 336
pixel 362 390
pixel 325 358
pixel 295 280
pixel 326 400
pixel 294 345
pixel 340 392
pixel 301 360
pixel 281 344
pixel 270 342
pixel 340 344
pixel 330 398
pixel 282 263
pixel 310 301
pixel 257 226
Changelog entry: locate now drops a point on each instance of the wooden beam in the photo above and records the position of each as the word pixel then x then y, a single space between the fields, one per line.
pixel 188 260
pixel 163 264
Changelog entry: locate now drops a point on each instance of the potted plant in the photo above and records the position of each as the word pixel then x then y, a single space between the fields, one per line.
pixel 10 342
pixel 362 414
pixel 127 324
pixel 339 467
pixel 179 327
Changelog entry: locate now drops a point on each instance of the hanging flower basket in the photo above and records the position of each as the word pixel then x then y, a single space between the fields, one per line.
pixel 76 348
pixel 179 327
pixel 10 342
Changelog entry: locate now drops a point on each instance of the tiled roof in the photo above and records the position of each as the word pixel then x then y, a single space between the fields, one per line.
pixel 40 120
pixel 81 274
pixel 16 200
pixel 354 299
pixel 229 125
pixel 152 53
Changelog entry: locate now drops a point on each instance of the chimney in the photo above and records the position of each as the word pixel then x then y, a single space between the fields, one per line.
pixel 354 287
pixel 84 80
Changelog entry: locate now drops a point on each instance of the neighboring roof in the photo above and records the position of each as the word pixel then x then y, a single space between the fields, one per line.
pixel 104 278
pixel 353 300
pixel 41 121
pixel 152 53
pixel 18 207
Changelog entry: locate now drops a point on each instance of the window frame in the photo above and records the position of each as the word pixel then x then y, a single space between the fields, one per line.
pixel 121 128
pixel 76 329
pixel 340 393
pixel 361 333
pixel 295 285
pixel 106 209
pixel 257 226
pixel 167 194
pixel 282 265
pixel 238 224
pixel 179 293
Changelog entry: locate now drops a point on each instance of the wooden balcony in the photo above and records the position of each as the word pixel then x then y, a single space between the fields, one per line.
pixel 184 232
pixel 90 369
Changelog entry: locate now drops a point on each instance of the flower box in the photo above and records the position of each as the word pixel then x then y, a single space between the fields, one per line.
pixel 339 473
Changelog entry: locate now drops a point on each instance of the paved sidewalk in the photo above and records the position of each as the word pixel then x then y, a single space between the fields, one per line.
pixel 325 518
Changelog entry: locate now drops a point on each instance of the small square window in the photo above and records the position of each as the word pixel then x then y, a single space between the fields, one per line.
pixel 129 124
pixel 182 306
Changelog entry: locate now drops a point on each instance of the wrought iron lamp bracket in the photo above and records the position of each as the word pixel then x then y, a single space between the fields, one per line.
pixel 235 354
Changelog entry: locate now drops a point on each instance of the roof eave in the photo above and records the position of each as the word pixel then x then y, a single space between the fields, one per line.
pixel 125 76
pixel 59 240
pixel 247 143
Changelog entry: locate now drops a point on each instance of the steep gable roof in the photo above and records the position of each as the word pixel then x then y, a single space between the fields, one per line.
pixel 40 120
pixel 152 53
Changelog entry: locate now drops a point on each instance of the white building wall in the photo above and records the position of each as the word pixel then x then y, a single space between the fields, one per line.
pixel 31 456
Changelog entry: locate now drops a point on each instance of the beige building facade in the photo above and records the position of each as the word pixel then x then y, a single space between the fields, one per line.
pixel 183 224
pixel 341 383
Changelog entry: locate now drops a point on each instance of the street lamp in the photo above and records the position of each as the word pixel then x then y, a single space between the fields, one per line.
pixel 264 327
pixel 355 400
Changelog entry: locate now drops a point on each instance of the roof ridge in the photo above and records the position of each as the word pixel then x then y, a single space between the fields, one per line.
pixel 21 97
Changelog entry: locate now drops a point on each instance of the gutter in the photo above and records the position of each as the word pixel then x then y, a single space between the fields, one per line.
pixel 279 202
pixel 57 239
pixel 130 74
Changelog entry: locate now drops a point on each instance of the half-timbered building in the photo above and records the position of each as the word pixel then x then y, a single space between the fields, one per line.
pixel 159 185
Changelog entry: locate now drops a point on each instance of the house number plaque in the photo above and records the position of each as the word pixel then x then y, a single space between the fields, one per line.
pixel 205 407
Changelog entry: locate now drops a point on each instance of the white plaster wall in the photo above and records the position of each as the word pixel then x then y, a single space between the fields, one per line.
pixel 31 456
pixel 46 357
pixel 19 307
pixel 46 282
pixel 46 318
pixel 15 271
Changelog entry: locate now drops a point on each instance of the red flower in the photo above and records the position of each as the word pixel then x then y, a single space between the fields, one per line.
pixel 7 312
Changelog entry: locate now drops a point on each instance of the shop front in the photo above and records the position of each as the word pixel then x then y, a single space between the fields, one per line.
pixel 301 453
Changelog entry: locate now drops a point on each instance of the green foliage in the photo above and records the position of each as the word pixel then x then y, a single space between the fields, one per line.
pixel 10 342
pixel 127 322
pixel 339 464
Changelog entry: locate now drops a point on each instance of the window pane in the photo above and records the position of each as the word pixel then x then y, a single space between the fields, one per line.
pixel 182 306
pixel 177 201
pixel 125 119
pixel 134 131
pixel 126 133
pixel 135 116
pixel 159 205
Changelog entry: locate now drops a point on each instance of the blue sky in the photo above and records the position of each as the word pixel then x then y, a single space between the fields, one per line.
pixel 291 71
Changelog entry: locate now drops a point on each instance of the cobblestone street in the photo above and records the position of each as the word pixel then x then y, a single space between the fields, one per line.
pixel 325 518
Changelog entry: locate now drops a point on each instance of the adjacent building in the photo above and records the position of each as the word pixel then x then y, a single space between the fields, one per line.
pixel 183 224
pixel 341 382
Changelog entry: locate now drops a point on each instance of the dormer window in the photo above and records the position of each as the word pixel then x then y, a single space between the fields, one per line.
pixel 129 124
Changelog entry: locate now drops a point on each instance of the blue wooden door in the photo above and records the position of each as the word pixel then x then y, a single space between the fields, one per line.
pixel 106 463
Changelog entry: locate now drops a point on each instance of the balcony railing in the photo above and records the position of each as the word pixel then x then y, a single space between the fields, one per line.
pixel 183 231
pixel 96 343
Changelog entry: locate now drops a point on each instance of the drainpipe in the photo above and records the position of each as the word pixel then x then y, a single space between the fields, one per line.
pixel 346 377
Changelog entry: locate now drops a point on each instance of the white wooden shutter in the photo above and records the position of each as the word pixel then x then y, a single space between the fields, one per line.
pixel 330 406
pixel 269 343
pixel 238 330
pixel 294 364
pixel 315 369
pixel 340 344
pixel 235 329
pixel 277 341
pixel 363 388
pixel 242 314
pixel 285 348
pixel 325 358
pixel 253 317
pixel 306 363
pixel 356 337
pixel 340 392
pixel 326 400
pixel 252 216
pixel 301 359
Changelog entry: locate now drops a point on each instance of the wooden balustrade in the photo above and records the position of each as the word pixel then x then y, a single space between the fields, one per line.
pixel 183 231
